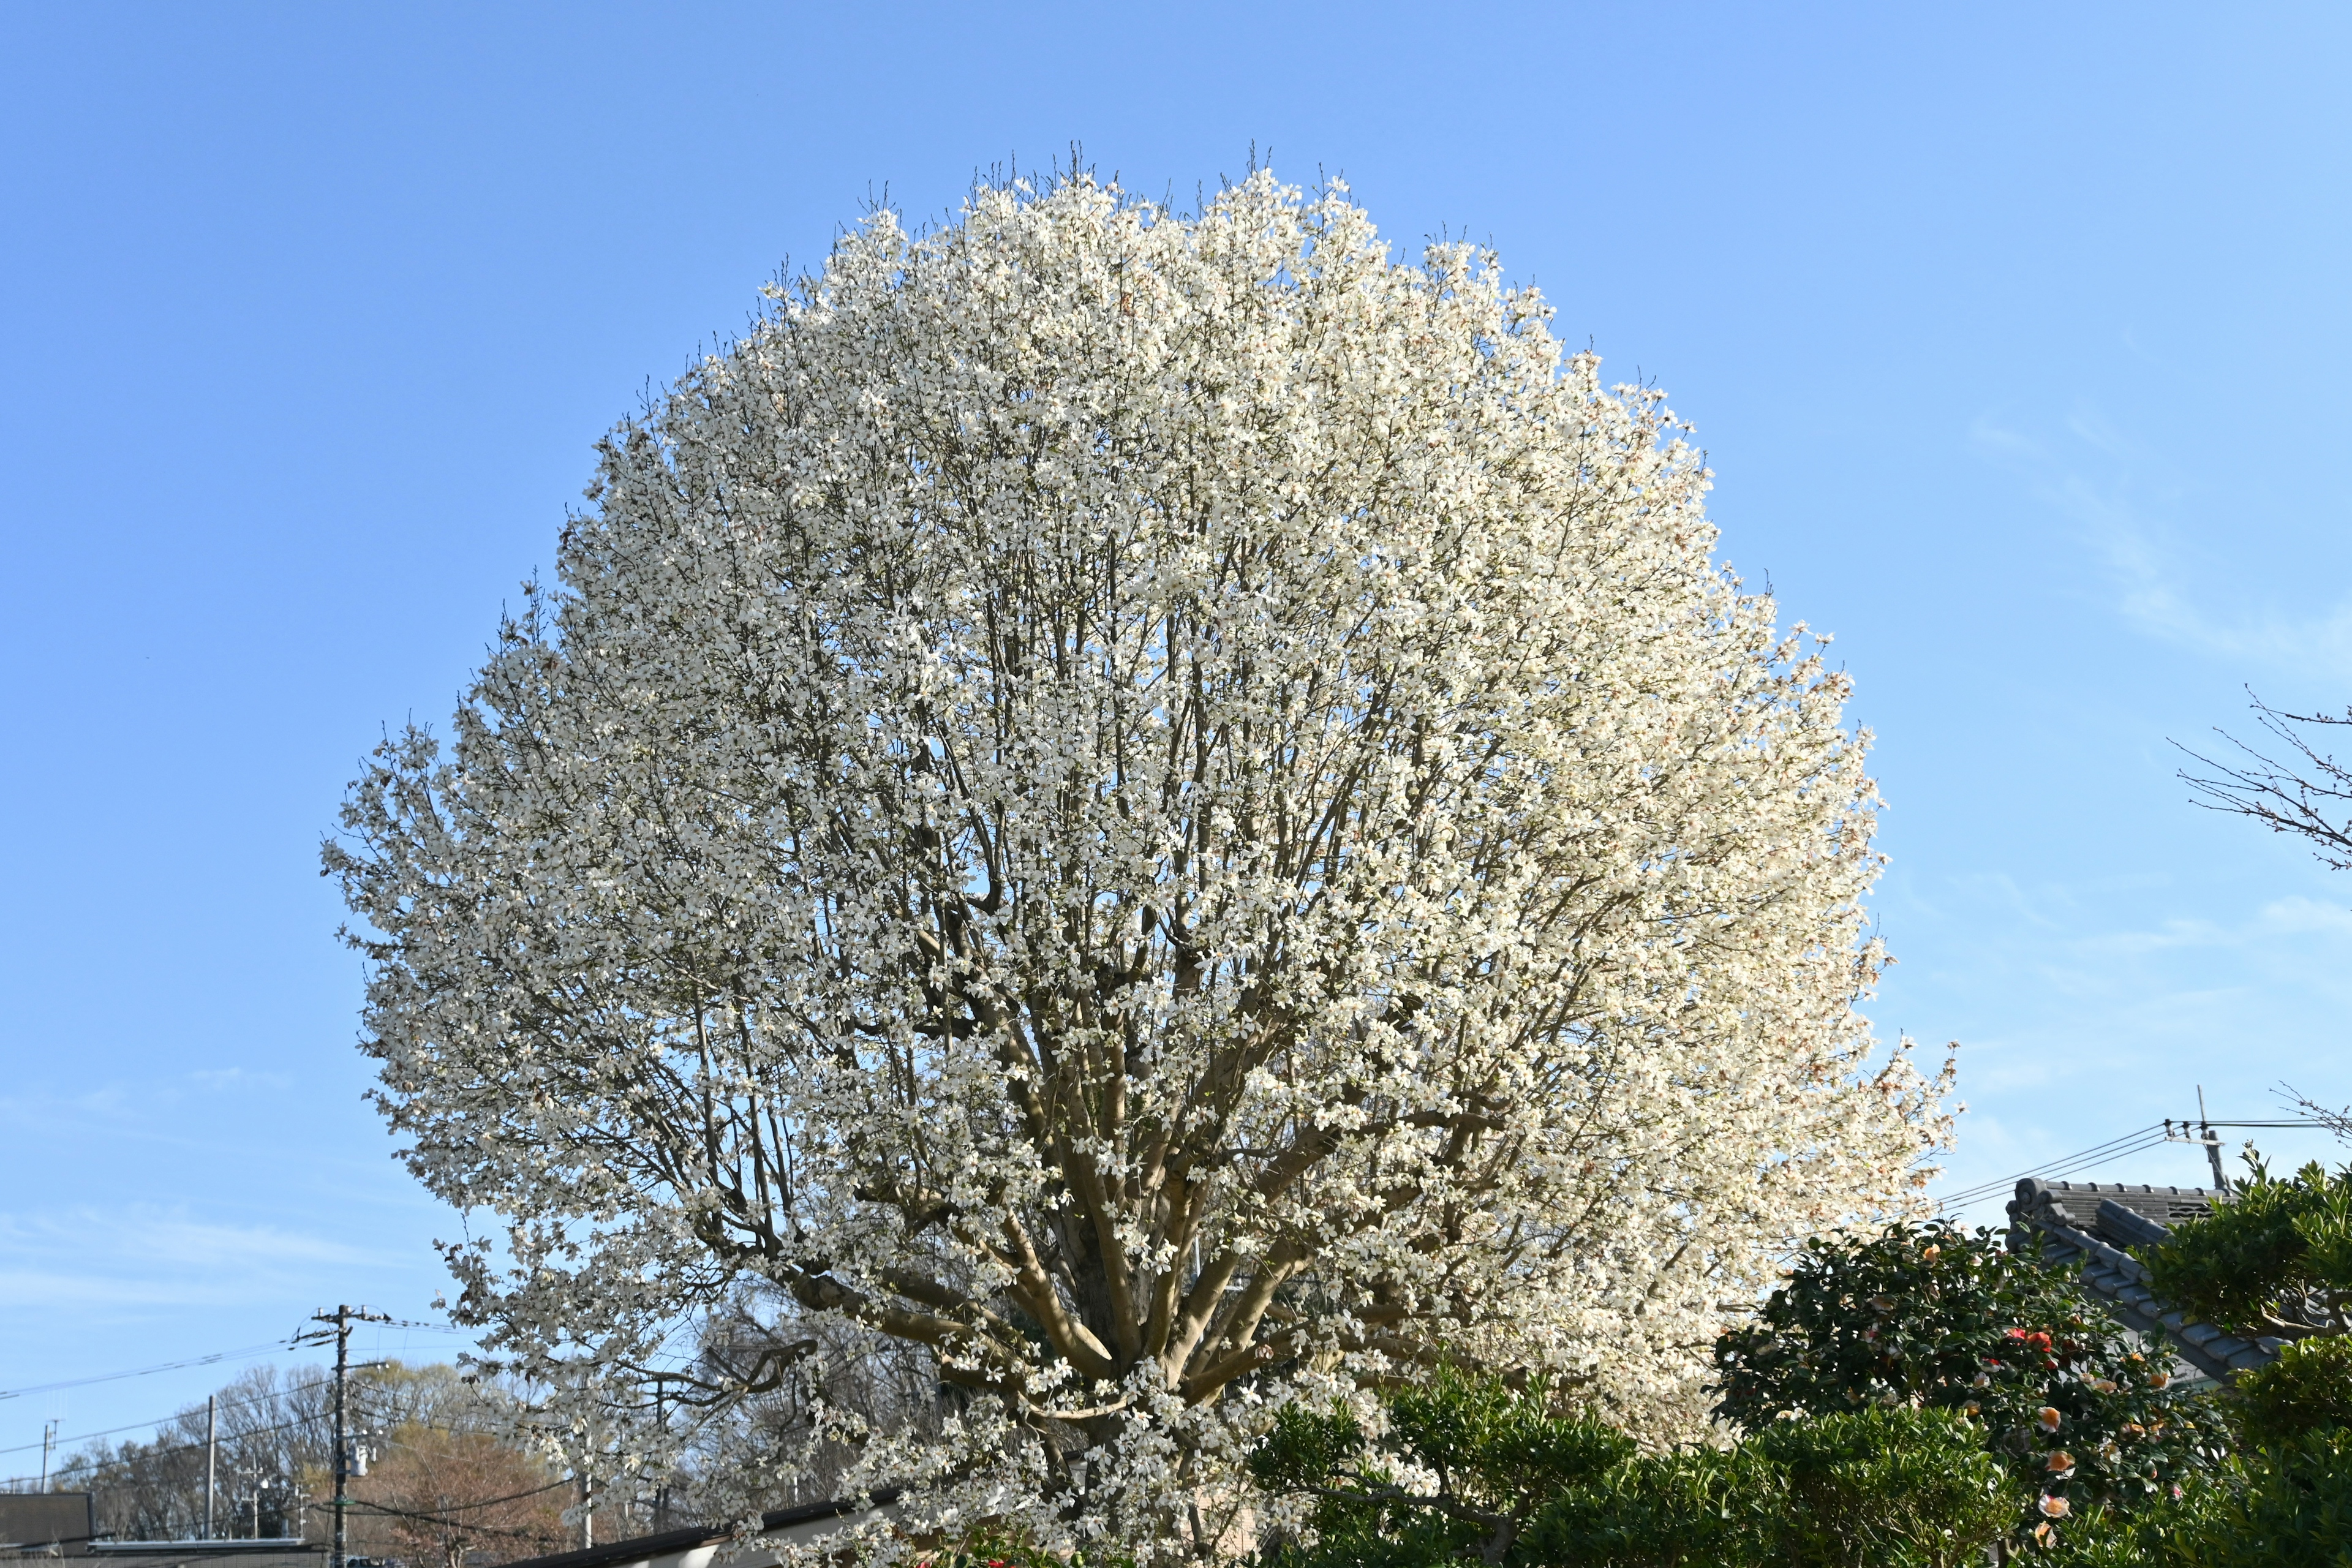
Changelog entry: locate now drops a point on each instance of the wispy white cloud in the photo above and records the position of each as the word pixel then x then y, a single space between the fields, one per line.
pixel 54 1289
pixel 2087 1007
pixel 2301 914
pixel 2116 490
pixel 156 1110
pixel 156 1256
pixel 240 1077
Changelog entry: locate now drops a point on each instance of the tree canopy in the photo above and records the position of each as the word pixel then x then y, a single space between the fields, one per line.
pixel 1166 809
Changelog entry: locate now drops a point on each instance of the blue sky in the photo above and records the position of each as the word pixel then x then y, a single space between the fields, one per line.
pixel 2017 340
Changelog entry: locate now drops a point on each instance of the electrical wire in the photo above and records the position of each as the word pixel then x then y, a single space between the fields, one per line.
pixel 159 1452
pixel 2300 1122
pixel 168 1366
pixel 2131 1142
pixel 2056 1170
pixel 542 1535
pixel 159 1420
pixel 2102 1155
pixel 486 1502
pixel 144 1371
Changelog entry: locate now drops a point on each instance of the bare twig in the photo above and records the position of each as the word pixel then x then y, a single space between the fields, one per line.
pixel 2308 793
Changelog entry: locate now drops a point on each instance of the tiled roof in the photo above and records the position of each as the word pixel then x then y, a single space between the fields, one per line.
pixel 691 1546
pixel 2091 1224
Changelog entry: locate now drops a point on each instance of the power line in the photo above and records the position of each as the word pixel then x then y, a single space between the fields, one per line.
pixel 2099 1154
pixel 2056 1171
pixel 174 1415
pixel 2131 1142
pixel 2297 1122
pixel 159 1420
pixel 461 1524
pixel 145 1371
pixel 465 1507
pixel 159 1452
pixel 288 1391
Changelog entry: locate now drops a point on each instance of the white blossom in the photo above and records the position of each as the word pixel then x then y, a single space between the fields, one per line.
pixel 1168 808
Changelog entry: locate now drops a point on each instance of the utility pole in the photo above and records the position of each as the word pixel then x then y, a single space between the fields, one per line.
pixel 661 1492
pixel 2212 1143
pixel 342 1318
pixel 661 1420
pixel 48 1441
pixel 254 1474
pixel 212 1458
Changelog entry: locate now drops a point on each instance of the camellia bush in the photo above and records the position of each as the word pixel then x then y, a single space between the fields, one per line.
pixel 1933 1316
pixel 1167 813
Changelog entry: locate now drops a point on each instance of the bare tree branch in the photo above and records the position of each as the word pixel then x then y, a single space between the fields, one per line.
pixel 2307 793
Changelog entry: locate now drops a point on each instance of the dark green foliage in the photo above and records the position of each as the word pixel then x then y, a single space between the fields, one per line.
pixel 1952 1321
pixel 2277 1257
pixel 2102 1538
pixel 2307 1389
pixel 1507 1449
pixel 2284 1507
pixel 1518 1484
pixel 1890 1487
pixel 1874 1488
pixel 2288 1505
pixel 1694 1507
pixel 1910 1397
pixel 1499 1455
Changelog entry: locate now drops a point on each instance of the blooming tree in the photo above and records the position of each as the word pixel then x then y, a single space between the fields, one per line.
pixel 1168 810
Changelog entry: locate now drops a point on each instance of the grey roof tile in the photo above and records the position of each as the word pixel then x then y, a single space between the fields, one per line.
pixel 2093 1222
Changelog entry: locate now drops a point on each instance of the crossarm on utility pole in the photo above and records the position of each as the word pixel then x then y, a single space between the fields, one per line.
pixel 342 1319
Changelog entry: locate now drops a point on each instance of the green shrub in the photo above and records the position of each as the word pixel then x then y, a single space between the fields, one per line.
pixel 1518 1483
pixel 1498 1454
pixel 2287 1506
pixel 2104 1538
pixel 1954 1322
pixel 2278 1254
pixel 1700 1508
pixel 1876 1488
pixel 2307 1389
pixel 1886 1487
